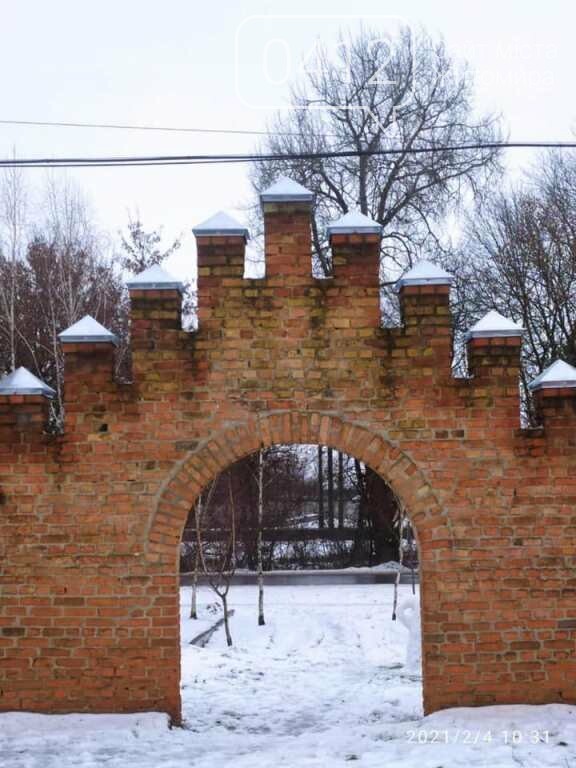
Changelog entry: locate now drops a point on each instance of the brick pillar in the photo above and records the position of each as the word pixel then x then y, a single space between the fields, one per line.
pixel 355 242
pixel 221 245
pixel 155 328
pixel 425 309
pixel 494 347
pixel 287 231
pixel 24 407
pixel 89 363
pixel 555 400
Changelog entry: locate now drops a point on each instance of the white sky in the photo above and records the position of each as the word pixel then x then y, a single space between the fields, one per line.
pixel 174 63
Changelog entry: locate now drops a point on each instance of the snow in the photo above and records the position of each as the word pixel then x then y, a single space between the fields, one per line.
pixel 559 375
pixel 285 189
pixel 425 273
pixel 354 222
pixel 390 565
pixel 321 685
pixel 221 223
pixel 494 324
pixel 87 330
pixel 154 278
pixel 23 382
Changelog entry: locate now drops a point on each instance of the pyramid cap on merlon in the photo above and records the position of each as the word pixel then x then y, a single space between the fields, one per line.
pixel 354 223
pixel 286 190
pixel 494 325
pixel 424 273
pixel 155 278
pixel 221 224
pixel 86 331
pixel 23 382
pixel 559 375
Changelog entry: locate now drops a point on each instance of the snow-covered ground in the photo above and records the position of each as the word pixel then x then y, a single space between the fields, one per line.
pixel 321 685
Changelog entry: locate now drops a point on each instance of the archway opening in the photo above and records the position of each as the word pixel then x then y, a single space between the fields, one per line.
pixel 308 557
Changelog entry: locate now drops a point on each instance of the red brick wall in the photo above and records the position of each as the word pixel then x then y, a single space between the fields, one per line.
pixel 90 521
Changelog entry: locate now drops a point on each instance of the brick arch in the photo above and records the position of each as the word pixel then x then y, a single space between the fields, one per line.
pixel 199 468
pixel 222 449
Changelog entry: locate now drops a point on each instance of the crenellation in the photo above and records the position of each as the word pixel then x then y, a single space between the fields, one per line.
pixel 91 520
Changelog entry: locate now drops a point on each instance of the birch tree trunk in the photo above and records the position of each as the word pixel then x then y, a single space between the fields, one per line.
pixel 261 621
pixel 13 213
pixel 194 603
pixel 321 520
pixel 340 490
pixel 330 488
pixel 224 598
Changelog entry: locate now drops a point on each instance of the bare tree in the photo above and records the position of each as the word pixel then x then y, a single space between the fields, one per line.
pixel 321 520
pixel 260 568
pixel 53 270
pixel 518 256
pixel 141 248
pixel 219 564
pixel 340 489
pixel 376 95
pixel 330 478
pixel 13 223
pixel 194 596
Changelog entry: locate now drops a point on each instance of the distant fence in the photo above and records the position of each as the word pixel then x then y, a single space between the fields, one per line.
pixel 318 578
pixel 284 534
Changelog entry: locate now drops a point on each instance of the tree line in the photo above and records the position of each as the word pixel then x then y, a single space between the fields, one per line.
pixel 55 267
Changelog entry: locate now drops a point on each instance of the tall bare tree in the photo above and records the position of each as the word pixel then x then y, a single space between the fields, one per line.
pixel 518 256
pixel 377 94
pixel 260 566
pixel 13 225
pixel 218 557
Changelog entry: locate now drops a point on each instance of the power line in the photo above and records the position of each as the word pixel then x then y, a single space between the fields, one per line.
pixel 209 159
pixel 128 127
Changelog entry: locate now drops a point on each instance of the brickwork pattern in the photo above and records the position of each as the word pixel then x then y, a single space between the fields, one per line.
pixel 90 521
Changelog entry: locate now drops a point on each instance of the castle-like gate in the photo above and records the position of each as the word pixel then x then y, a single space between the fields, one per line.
pixel 91 520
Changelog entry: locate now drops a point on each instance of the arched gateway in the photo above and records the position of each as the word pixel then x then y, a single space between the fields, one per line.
pixel 90 520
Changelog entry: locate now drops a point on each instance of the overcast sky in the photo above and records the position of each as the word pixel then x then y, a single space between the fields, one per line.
pixel 203 64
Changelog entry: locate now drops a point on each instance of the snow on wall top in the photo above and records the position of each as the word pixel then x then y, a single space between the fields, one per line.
pixel 285 190
pixel 425 273
pixel 155 278
pixel 87 330
pixel 559 375
pixel 23 382
pixel 353 222
pixel 494 324
pixel 221 224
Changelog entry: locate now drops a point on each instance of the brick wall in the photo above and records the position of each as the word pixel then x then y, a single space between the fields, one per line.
pixel 90 521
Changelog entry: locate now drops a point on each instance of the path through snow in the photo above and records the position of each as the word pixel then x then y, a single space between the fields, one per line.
pixel 321 685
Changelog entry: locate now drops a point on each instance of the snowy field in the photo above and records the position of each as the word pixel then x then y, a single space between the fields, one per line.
pixel 323 684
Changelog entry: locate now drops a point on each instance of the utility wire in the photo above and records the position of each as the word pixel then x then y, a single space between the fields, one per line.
pixel 206 159
pixel 128 127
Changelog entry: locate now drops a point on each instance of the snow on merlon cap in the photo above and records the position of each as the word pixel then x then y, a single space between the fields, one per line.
pixel 493 324
pixel 221 224
pixel 22 382
pixel 285 190
pixel 425 273
pixel 155 279
pixel 559 375
pixel 354 223
pixel 85 331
